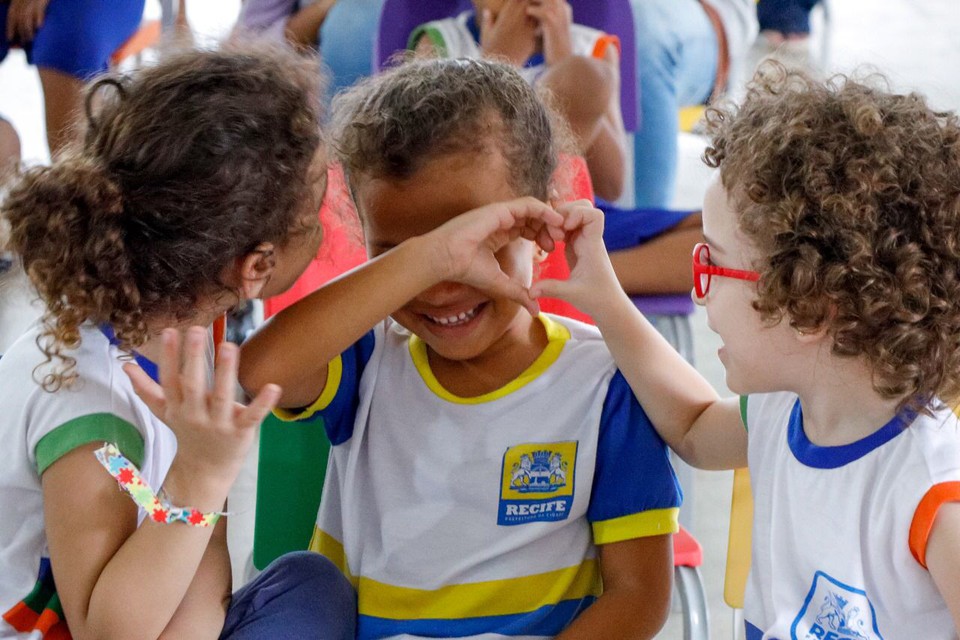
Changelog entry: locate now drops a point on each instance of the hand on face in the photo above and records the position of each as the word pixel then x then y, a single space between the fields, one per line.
pixel 467 244
pixel 592 280
pixel 555 18
pixel 214 432
pixel 510 33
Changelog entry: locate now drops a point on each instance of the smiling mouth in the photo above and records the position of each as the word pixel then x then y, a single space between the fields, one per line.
pixel 453 321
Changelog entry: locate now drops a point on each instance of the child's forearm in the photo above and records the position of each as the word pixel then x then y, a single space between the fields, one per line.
pixel 117 580
pixel 614 616
pixel 673 394
pixel 204 607
pixel 295 347
pixel 637 577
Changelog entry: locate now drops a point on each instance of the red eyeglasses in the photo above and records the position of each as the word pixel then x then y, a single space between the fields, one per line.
pixel 703 271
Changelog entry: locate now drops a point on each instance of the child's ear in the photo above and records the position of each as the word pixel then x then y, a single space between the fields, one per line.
pixel 255 270
pixel 810 335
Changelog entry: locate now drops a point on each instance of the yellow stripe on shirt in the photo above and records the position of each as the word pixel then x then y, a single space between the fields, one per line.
pixel 477 599
pixel 334 376
pixel 557 337
pixel 471 600
pixel 655 522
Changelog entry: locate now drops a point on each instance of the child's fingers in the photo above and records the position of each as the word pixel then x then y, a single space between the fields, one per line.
pixel 224 383
pixel 259 407
pixel 530 208
pixel 194 378
pixel 170 365
pixel 502 285
pixel 149 391
pixel 549 288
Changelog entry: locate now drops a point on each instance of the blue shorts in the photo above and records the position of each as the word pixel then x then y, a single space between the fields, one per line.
pixel 77 36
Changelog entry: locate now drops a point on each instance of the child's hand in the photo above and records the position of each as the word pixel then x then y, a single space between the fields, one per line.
pixel 555 18
pixel 467 244
pixel 214 432
pixel 511 34
pixel 592 280
pixel 24 19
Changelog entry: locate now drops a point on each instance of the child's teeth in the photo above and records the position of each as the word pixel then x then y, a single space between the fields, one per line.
pixel 457 319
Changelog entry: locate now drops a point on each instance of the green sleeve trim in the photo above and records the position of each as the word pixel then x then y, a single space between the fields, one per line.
pixel 433 34
pixel 96 427
pixel 743 411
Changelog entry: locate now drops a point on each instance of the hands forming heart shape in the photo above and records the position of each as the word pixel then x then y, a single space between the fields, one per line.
pixel 468 244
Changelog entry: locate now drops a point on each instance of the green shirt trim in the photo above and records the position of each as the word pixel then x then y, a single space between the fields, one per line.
pixel 433 34
pixel 743 411
pixel 96 427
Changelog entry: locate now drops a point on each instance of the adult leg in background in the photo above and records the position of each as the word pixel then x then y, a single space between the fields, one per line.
pixel 75 43
pixel 676 66
pixel 346 40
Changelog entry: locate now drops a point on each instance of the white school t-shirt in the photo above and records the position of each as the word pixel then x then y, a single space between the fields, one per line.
pixel 38 428
pixel 840 533
pixel 480 517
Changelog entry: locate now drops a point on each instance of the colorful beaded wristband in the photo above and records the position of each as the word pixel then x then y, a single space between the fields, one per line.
pixel 157 508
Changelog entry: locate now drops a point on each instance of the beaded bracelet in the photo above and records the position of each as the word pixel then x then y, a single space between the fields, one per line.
pixel 157 507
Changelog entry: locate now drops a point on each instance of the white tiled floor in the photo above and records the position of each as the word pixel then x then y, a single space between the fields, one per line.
pixel 914 43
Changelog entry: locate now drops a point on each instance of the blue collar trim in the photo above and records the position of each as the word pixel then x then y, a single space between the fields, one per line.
pixel 147 365
pixel 535 60
pixel 833 457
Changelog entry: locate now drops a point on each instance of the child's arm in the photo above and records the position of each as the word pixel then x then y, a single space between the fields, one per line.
pixel 295 347
pixel 117 580
pixel 637 579
pixel 589 95
pixel 705 431
pixel 943 556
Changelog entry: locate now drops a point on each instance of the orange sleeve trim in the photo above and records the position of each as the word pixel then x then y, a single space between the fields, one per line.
pixel 604 41
pixel 21 617
pixel 926 513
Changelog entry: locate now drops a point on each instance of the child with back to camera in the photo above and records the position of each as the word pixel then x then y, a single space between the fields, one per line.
pixel 489 465
pixel 197 186
pixel 831 270
pixel 579 65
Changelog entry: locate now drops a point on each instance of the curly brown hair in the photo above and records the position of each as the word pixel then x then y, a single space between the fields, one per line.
pixel 390 125
pixel 185 166
pixel 852 195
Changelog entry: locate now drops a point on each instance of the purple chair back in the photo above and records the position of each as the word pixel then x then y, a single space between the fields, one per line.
pixel 400 17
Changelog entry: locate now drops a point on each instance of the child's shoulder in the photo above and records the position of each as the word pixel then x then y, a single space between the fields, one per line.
pixel 100 386
pixel 934 441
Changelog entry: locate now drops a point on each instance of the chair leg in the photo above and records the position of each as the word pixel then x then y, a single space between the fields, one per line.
pixel 693 601
pixel 739 631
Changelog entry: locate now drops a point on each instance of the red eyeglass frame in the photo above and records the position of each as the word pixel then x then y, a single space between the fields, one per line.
pixel 701 267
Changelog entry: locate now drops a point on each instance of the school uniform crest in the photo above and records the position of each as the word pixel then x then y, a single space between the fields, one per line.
pixel 835 611
pixel 536 483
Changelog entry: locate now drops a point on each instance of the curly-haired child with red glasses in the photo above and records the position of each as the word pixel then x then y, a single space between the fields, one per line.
pixel 831 270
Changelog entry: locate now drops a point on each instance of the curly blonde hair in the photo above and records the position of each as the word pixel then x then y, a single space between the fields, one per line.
pixel 185 166
pixel 852 195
